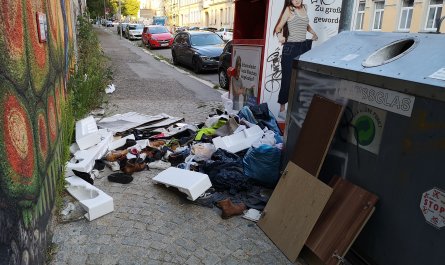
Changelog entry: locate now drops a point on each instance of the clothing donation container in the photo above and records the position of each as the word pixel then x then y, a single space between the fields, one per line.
pixel 390 139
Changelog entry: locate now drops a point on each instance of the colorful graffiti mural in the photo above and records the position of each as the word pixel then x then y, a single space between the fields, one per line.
pixel 32 89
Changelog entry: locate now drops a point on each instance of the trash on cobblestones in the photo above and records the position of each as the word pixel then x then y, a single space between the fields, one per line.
pixel 193 184
pixel 121 178
pixel 239 141
pixel 84 160
pixel 110 89
pixel 159 164
pixel 252 215
pixel 87 133
pixel 120 142
pixel 203 151
pixel 122 122
pixel 230 209
pixel 93 200
pixel 68 209
pixel 262 164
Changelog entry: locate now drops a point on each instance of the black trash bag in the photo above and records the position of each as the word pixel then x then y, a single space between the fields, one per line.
pixel 226 171
pixel 260 112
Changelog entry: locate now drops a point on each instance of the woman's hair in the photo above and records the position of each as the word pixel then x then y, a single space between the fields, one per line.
pixel 287 3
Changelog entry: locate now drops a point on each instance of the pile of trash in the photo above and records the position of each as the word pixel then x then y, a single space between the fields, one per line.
pixel 231 161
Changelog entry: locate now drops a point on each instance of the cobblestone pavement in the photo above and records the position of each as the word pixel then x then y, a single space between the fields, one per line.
pixel 152 224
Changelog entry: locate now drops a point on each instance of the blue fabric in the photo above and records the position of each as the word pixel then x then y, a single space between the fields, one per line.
pixel 262 164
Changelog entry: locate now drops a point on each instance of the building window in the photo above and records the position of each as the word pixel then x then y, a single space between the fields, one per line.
pixel 360 16
pixel 406 14
pixel 434 11
pixel 378 15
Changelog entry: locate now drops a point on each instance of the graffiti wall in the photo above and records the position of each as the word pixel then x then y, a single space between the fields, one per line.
pixel 36 44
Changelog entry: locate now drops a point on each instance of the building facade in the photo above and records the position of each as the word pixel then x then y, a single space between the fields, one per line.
pixel 200 13
pixel 398 15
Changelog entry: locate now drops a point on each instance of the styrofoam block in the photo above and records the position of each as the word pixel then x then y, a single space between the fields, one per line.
pixel 239 141
pixel 87 134
pixel 85 159
pixel 96 202
pixel 189 182
pixel 120 142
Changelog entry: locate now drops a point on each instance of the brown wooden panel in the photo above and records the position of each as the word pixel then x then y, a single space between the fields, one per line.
pixel 344 216
pixel 316 134
pixel 293 209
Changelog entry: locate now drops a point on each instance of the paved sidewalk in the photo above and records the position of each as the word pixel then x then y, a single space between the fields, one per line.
pixel 152 224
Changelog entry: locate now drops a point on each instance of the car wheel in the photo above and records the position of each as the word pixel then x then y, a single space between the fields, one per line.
pixel 174 59
pixel 223 79
pixel 197 65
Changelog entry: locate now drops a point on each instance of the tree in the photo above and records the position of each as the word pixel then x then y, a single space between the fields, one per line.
pixel 130 7
pixel 97 9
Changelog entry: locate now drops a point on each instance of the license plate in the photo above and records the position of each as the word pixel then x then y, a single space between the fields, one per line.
pixel 164 44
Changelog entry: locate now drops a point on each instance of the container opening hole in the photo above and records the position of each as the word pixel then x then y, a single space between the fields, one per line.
pixel 389 53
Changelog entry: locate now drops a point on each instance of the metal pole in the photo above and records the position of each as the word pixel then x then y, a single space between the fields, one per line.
pixel 120 20
pixel 347 10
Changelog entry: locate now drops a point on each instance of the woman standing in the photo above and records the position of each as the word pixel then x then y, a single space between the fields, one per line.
pixel 291 29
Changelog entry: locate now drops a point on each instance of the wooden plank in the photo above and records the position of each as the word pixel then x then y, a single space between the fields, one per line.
pixel 293 209
pixel 344 216
pixel 316 134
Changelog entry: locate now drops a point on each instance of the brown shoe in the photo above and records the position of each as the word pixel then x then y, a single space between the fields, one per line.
pixel 116 155
pixel 134 165
pixel 157 143
pixel 230 209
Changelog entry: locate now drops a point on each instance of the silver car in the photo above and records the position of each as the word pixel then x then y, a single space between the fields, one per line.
pixel 134 31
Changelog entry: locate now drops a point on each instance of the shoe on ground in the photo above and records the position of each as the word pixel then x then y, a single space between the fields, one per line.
pixel 134 165
pixel 120 178
pixel 159 164
pixel 116 155
pixel 230 209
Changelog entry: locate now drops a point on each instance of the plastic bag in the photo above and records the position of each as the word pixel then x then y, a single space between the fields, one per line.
pixel 203 151
pixel 262 164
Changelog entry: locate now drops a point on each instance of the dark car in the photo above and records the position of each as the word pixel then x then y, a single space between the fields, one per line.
pixel 225 61
pixel 197 49
pixel 157 37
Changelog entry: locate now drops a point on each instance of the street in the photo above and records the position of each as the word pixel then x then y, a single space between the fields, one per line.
pixel 165 54
pixel 151 224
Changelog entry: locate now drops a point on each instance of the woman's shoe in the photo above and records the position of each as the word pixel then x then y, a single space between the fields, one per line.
pixel 134 165
pixel 115 155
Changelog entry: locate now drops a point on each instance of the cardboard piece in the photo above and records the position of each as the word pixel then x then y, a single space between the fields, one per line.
pixel 316 134
pixel 293 209
pixel 344 216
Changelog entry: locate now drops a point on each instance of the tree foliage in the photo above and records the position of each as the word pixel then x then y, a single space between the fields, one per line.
pixel 130 7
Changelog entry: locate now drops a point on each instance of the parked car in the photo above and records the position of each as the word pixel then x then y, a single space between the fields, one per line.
pixel 193 28
pixel 156 37
pixel 121 27
pixel 208 29
pixel 197 49
pixel 225 33
pixel 109 23
pixel 225 61
pixel 134 31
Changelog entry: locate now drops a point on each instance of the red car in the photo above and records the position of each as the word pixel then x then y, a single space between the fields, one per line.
pixel 156 36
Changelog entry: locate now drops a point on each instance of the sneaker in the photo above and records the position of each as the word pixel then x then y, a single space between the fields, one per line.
pixel 114 166
pixel 159 164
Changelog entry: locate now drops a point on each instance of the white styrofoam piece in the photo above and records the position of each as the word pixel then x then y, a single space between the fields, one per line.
pixel 96 202
pixel 120 142
pixel 239 141
pixel 189 182
pixel 252 215
pixel 85 159
pixel 87 134
pixel 74 148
